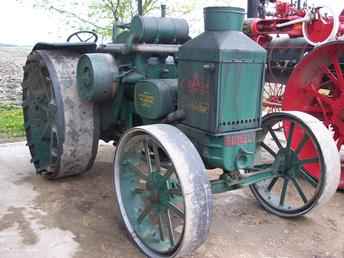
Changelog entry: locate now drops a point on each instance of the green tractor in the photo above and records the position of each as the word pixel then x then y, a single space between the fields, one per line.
pixel 174 107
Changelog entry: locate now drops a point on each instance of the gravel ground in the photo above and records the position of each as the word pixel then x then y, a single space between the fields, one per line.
pixel 12 60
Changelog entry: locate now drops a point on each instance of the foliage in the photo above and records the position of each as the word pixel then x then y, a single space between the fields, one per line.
pixel 95 15
pixel 11 121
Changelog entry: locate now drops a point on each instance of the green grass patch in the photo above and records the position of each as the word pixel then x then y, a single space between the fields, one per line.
pixel 11 121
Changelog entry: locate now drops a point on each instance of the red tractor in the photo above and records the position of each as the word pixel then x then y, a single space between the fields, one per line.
pixel 305 68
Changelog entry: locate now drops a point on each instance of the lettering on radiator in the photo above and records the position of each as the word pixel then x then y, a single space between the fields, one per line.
pixel 200 107
pixel 197 90
pixel 238 139
pixel 146 100
pixel 195 85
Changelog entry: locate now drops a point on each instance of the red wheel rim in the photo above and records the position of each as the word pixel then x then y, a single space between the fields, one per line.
pixel 316 86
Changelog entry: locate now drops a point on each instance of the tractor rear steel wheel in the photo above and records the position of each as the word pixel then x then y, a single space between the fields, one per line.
pixel 163 191
pixel 293 191
pixel 62 131
pixel 316 86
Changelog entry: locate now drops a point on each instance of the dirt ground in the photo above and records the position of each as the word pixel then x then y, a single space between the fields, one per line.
pixel 12 60
pixel 78 218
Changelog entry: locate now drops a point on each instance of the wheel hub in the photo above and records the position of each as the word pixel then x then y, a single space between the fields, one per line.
pixel 157 189
pixel 286 162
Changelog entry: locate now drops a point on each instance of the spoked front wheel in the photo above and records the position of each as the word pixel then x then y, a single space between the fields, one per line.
pixel 292 190
pixel 162 190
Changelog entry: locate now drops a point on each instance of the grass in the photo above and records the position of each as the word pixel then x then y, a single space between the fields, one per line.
pixel 11 121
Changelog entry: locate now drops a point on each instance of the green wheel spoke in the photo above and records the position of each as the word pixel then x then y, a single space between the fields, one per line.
pixel 175 191
pixel 147 154
pixel 272 183
pixel 290 134
pixel 156 157
pixel 302 143
pixel 259 167
pixel 170 228
pixel 299 190
pixel 144 213
pixel 45 131
pixel 284 192
pixel 308 178
pixel 309 161
pixel 42 107
pixel 268 149
pixel 161 228
pixel 137 171
pixel 169 173
pixel 274 137
pixel 178 211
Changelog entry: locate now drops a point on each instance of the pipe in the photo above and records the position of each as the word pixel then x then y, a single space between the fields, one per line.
pixel 307 18
pixel 139 7
pixel 252 8
pixel 163 10
pixel 141 48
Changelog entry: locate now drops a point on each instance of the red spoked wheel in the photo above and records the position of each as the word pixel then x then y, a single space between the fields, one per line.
pixel 316 86
pixel 272 97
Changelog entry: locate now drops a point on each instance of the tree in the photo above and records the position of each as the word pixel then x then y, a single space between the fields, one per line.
pixel 95 15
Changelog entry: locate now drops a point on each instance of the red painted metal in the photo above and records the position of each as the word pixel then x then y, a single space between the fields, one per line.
pixel 273 96
pixel 286 9
pixel 261 30
pixel 307 152
pixel 240 138
pixel 318 30
pixel 316 86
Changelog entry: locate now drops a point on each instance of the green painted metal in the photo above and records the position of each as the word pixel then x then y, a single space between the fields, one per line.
pixel 221 74
pixel 230 151
pixel 39 113
pixel 155 98
pixel 97 77
pixel 223 18
pixel 159 30
pixel 158 69
pixel 211 90
pixel 150 191
pixel 228 183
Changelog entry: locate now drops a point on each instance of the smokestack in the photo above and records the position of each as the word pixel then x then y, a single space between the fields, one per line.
pixel 252 8
pixel 163 10
pixel 139 7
